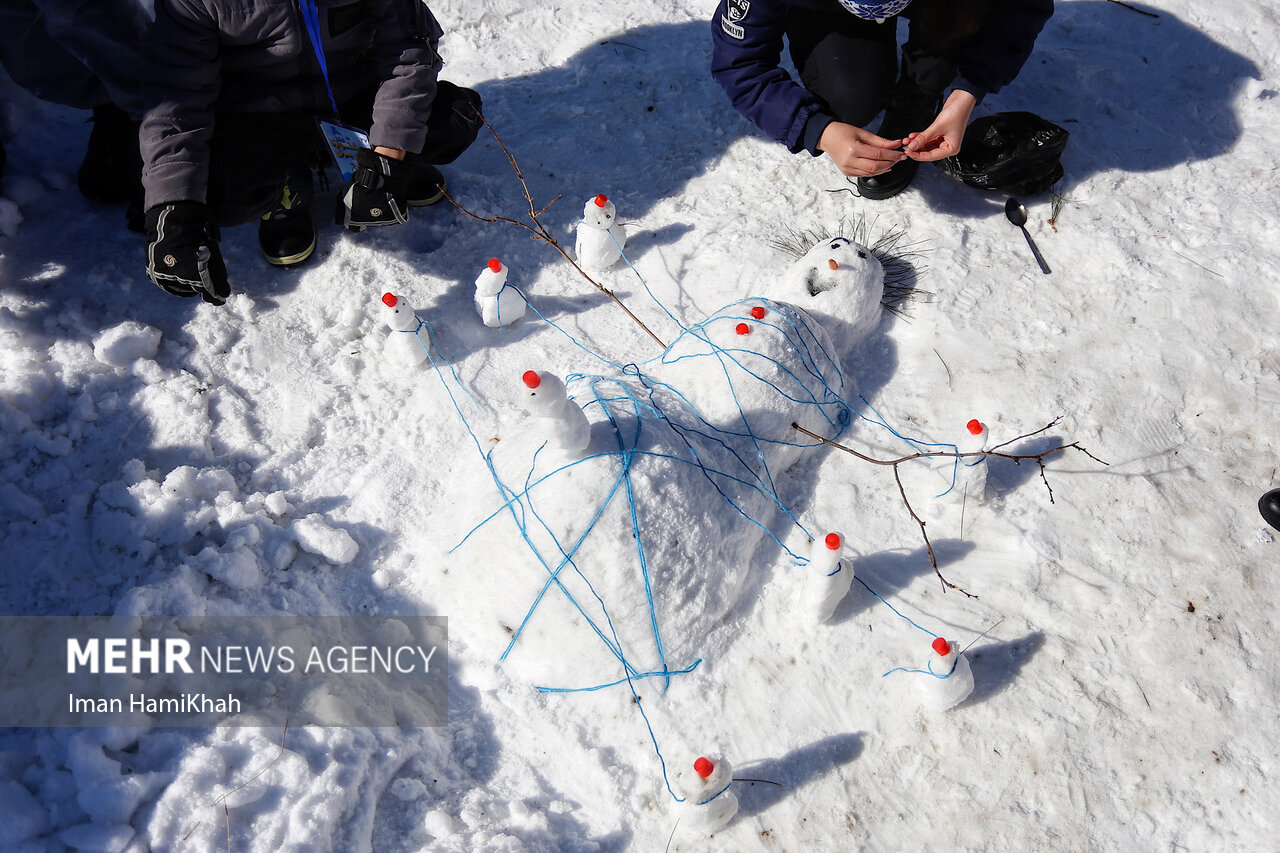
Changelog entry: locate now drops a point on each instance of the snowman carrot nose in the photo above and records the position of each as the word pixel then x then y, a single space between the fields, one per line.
pixel 831 262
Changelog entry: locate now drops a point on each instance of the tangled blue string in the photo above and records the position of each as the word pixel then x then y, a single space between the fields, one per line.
pixel 816 362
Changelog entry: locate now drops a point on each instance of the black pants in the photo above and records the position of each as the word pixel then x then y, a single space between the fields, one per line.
pixel 251 153
pixel 851 64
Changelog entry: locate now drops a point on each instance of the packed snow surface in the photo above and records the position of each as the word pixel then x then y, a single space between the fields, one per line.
pixel 167 462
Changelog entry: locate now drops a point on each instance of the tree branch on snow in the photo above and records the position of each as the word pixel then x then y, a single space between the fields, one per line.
pixel 538 231
pixel 1017 459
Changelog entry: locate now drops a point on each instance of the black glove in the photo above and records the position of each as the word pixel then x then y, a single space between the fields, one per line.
pixel 376 194
pixel 183 257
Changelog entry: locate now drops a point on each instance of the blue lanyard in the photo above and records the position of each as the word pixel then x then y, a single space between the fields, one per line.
pixel 311 17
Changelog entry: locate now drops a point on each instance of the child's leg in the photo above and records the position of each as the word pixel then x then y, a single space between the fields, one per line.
pixel 848 62
pixel 250 156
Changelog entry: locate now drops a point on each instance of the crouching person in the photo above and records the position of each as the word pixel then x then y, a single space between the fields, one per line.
pixel 230 133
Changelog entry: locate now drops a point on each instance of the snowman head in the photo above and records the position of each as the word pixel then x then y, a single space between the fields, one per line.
pixel 398 313
pixel 544 392
pixel 491 279
pixel 599 212
pixel 839 278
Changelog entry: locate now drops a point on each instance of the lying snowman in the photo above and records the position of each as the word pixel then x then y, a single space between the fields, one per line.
pixel 676 506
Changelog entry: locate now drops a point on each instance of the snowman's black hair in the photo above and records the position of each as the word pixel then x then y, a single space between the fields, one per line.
pixel 901 260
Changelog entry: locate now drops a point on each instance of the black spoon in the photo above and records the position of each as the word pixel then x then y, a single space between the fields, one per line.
pixel 1017 214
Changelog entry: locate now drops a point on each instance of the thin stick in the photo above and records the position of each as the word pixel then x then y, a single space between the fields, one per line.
pixel 1202 266
pixel 672 836
pixel 945 365
pixel 223 799
pixel 894 463
pixel 1134 9
pixel 538 231
pixel 980 636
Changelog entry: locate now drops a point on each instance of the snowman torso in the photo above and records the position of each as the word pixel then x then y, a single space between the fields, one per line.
pixel 403 345
pixel 599 238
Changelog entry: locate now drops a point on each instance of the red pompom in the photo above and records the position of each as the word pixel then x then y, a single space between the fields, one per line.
pixel 389 300
pixel 531 378
pixel 833 541
pixel 703 767
pixel 942 647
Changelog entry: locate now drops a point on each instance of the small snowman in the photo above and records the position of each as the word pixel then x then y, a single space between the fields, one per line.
pixel 826 580
pixel 950 681
pixel 709 803
pixel 564 424
pixel 971 471
pixel 497 303
pixel 600 237
pixel 404 347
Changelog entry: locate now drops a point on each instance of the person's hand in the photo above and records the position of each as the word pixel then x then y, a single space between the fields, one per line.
pixel 859 153
pixel 376 194
pixel 942 138
pixel 183 257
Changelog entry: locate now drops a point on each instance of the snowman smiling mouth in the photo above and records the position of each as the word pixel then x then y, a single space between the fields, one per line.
pixel 814 285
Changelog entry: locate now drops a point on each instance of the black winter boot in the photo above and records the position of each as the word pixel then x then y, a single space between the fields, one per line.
pixel 111 171
pixel 285 234
pixel 910 109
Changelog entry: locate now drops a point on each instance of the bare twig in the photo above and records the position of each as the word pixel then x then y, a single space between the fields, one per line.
pixel 222 800
pixel 538 231
pixel 1134 9
pixel 944 364
pixel 1014 457
pixel 1202 266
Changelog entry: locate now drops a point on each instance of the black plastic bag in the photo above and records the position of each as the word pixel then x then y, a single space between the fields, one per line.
pixel 1014 152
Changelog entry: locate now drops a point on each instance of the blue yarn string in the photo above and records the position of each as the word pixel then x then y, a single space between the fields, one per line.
pixel 814 360
pixel 636 676
pixel 891 607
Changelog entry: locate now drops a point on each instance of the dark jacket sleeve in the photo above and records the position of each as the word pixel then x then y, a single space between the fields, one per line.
pixel 746 58
pixel 178 124
pixel 409 66
pixel 995 55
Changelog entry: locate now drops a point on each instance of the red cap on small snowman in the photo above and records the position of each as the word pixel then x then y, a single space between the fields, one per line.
pixel 758 312
pixel 975 427
pixel 495 265
pixel 832 541
pixel 743 329
pixel 942 647
pixel 389 300
pixel 601 200
pixel 531 379
pixel 703 767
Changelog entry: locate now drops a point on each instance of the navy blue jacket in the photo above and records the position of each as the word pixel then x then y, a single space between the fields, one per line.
pixel 747 40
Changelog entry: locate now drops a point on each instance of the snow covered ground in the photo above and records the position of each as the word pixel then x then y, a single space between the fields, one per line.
pixel 163 460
